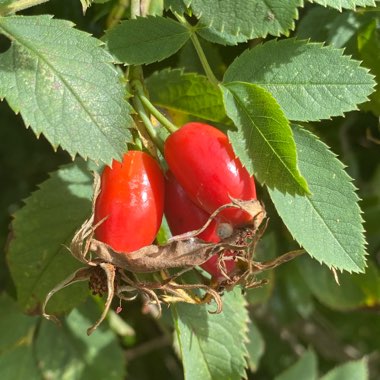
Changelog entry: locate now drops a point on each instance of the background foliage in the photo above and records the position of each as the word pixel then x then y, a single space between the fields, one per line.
pixel 294 86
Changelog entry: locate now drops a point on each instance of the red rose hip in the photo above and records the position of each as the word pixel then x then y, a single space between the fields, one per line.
pixel 202 160
pixel 132 199
pixel 183 215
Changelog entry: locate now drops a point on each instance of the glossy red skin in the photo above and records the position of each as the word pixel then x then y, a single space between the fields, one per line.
pixel 202 160
pixel 132 196
pixel 183 215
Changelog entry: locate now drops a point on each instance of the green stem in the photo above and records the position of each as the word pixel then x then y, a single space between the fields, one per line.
pixel 206 67
pixel 117 13
pixel 19 5
pixel 148 124
pixel 136 77
pixel 198 48
pixel 139 91
pixel 169 126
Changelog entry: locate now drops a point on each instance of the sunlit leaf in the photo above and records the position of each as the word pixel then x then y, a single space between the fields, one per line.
pixel 263 139
pixel 63 83
pixel 309 81
pixel 328 224
pixel 213 345
pixel 226 23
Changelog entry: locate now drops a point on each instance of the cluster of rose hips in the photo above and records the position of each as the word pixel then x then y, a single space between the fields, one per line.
pixel 204 174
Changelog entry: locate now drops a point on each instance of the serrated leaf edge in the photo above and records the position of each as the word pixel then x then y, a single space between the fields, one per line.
pixel 29 200
pixel 43 58
pixel 271 148
pixel 322 45
pixel 362 230
pixel 136 20
pixel 340 8
pixel 252 35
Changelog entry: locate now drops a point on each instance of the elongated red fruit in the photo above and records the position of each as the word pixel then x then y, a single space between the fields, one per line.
pixel 183 215
pixel 202 160
pixel 132 199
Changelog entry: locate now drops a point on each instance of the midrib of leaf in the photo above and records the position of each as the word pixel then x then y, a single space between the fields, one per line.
pixel 160 39
pixel 22 42
pixel 265 140
pixel 332 234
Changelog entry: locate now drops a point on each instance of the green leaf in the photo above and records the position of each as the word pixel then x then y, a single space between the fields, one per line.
pixel 189 61
pixel 255 347
pixel 213 345
pixel 224 22
pixel 219 37
pixel 156 8
pixel 68 353
pixel 369 47
pixel 38 258
pixel 189 93
pixel 14 325
pixel 63 84
pixel 337 29
pixel 296 291
pixel 19 363
pixel 327 224
pixel 263 140
pixel 146 39
pixel 175 5
pixel 305 368
pixel 4 5
pixel 308 80
pixel 355 290
pixel 16 349
pixel 120 326
pixel 310 25
pixel 351 370
pixel 347 4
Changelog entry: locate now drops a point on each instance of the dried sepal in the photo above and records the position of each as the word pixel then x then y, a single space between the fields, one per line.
pixel 82 274
pixel 181 251
pixel 271 264
pixel 168 291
